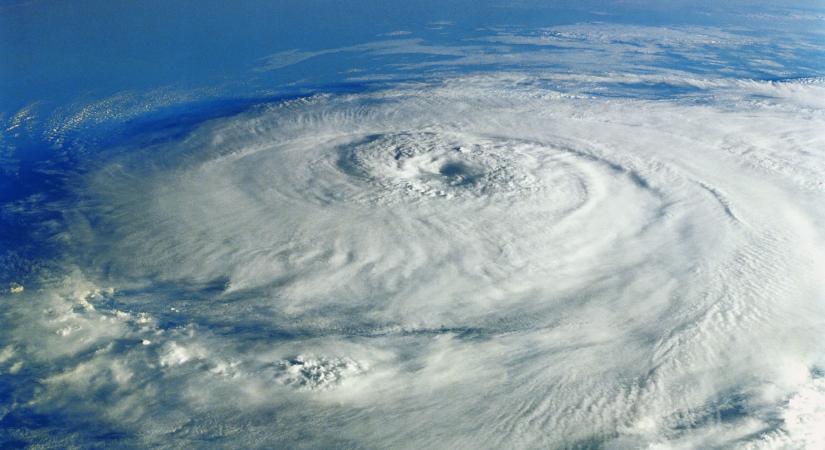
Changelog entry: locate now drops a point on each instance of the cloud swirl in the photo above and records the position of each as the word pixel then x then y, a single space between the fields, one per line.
pixel 487 258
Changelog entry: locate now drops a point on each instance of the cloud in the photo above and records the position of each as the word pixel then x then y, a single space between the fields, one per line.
pixel 486 257
pixel 385 47
pixel 398 33
pixel 586 235
pixel 585 47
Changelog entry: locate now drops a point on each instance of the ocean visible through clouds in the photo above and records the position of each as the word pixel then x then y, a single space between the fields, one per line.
pixel 412 224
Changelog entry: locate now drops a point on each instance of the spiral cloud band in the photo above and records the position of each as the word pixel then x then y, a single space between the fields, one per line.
pixel 483 261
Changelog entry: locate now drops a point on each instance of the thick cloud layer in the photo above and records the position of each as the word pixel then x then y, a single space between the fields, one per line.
pixel 477 262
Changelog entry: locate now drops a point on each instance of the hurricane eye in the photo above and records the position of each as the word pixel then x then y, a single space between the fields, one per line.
pixel 411 166
pixel 454 170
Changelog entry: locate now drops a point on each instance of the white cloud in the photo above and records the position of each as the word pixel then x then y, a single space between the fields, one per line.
pixel 484 257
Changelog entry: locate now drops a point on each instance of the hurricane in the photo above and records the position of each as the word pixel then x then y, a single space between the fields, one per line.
pixel 511 255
